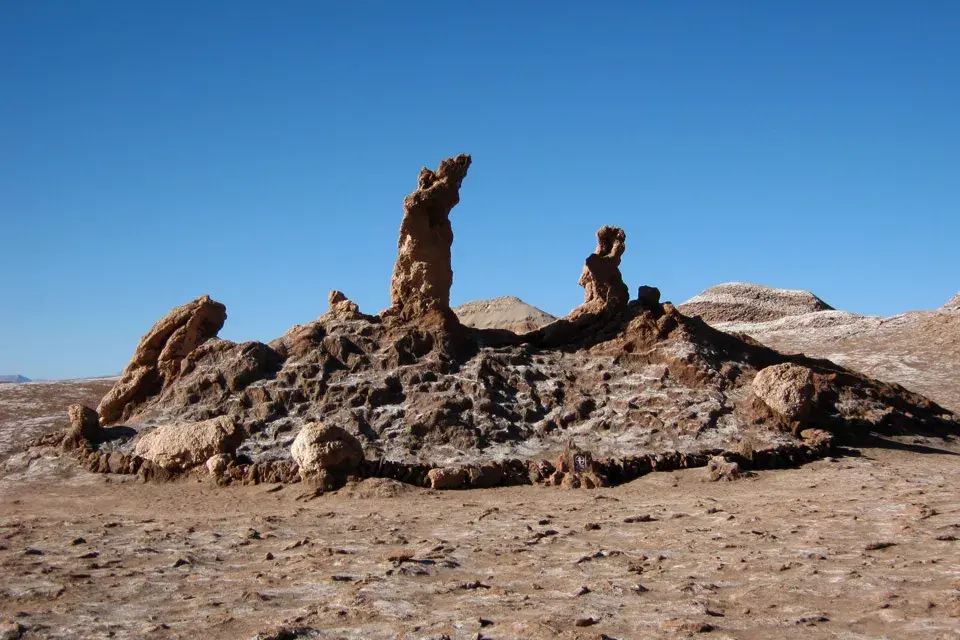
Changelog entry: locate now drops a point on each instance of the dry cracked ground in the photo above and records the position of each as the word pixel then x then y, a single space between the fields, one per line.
pixel 864 545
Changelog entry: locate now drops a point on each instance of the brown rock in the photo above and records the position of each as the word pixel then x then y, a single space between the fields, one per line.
pixel 601 280
pixel 177 447
pixel 422 276
pixel 324 449
pixel 84 426
pixel 788 389
pixel 156 360
pixel 341 305
pixel 446 478
pixel 720 468
pixel 649 297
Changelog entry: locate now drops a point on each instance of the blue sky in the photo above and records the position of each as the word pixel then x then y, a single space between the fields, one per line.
pixel 154 151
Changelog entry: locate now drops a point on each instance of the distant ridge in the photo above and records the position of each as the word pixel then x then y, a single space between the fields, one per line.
pixel 507 312
pixel 953 304
pixel 13 379
pixel 746 302
pixel 917 349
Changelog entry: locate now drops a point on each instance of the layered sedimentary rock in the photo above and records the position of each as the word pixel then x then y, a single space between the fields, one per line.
pixel 422 276
pixel 603 286
pixel 156 360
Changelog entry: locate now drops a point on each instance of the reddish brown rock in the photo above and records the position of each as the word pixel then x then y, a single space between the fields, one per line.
pixel 446 478
pixel 422 275
pixel 156 360
pixel 601 280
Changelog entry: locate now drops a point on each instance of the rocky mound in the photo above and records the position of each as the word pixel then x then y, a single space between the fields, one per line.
pixel 744 302
pixel 615 389
pixel 952 305
pixel 919 350
pixel 507 312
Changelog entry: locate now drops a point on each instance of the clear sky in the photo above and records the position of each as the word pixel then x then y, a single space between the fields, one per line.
pixel 156 150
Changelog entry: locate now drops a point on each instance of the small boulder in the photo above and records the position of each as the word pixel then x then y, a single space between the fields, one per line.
pixel 177 447
pixel 788 389
pixel 326 450
pixel 446 478
pixel 649 297
pixel 218 464
pixel 720 468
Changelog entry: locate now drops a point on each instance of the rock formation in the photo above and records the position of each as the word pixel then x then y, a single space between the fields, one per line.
pixel 422 276
pixel 177 447
pixel 84 427
pixel 648 297
pixel 621 388
pixel 322 451
pixel 788 389
pixel 340 304
pixel 156 360
pixel 603 285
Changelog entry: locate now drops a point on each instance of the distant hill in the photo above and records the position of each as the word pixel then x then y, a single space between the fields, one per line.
pixel 918 349
pixel 507 312
pixel 13 379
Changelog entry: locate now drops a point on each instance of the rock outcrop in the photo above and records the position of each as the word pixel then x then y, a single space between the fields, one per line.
pixel 341 305
pixel 604 289
pixel 177 447
pixel 621 388
pixel 84 427
pixel 156 360
pixel 788 389
pixel 323 451
pixel 422 276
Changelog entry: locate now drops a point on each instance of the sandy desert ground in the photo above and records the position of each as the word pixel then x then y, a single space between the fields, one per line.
pixel 863 545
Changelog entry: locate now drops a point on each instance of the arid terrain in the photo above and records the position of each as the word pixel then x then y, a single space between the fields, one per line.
pixel 863 545
pixel 918 349
pixel 629 470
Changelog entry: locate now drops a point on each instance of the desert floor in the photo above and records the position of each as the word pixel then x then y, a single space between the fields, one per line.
pixel 860 546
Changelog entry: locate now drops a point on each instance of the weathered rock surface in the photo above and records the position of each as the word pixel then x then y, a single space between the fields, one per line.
pixel 177 447
pixel 422 276
pixel 788 389
pixel 84 426
pixel 340 304
pixel 601 280
pixel 326 449
pixel 156 360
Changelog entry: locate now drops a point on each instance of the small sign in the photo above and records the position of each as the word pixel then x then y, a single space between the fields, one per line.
pixel 579 463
